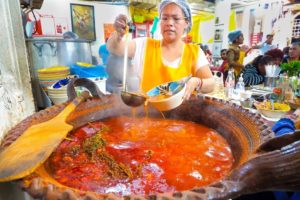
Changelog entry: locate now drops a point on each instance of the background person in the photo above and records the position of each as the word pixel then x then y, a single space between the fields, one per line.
pixel 235 54
pixel 254 73
pixel 266 45
pixel 277 56
pixel 285 51
pixel 115 74
pixel 103 52
pixel 224 66
pixel 294 53
pixel 168 59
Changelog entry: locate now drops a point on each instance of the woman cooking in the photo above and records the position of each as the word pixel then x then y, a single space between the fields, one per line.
pixel 169 59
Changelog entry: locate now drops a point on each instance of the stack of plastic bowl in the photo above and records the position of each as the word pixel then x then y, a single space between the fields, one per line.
pixel 49 76
pixel 58 91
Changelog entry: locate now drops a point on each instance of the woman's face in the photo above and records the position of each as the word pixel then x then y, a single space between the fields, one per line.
pixel 172 22
pixel 240 39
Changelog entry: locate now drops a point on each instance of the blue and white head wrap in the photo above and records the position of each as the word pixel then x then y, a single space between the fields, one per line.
pixel 234 35
pixel 183 5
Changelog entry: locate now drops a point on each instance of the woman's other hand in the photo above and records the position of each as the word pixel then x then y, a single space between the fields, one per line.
pixel 120 25
pixel 193 84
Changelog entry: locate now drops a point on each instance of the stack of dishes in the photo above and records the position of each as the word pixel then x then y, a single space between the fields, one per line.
pixel 58 91
pixel 49 76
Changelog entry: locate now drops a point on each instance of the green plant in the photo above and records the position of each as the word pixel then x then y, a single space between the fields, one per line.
pixel 292 68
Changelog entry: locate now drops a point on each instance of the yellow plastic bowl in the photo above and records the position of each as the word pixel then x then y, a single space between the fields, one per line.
pixel 280 109
pixel 83 64
pixel 54 69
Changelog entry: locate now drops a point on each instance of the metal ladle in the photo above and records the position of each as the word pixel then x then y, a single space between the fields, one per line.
pixel 129 98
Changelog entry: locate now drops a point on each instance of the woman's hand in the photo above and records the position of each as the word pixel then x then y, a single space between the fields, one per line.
pixel 191 85
pixel 120 25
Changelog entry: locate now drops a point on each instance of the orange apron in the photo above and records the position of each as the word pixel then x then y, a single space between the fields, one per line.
pixel 156 73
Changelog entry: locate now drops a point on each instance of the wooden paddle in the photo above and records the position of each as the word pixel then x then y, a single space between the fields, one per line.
pixel 35 145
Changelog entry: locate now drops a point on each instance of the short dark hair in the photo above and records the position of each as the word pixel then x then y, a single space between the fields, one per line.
pixel 263 60
pixel 296 43
pixel 256 60
pixel 223 50
pixel 270 35
pixel 275 53
pixel 285 50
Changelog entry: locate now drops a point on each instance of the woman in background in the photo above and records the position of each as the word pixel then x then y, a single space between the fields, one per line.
pixel 277 56
pixel 235 54
pixel 254 73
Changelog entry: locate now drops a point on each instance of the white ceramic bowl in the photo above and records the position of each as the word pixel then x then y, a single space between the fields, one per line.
pixel 58 95
pixel 167 103
pixel 58 100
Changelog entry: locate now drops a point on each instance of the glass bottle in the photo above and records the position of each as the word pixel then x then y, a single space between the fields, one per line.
pixel 229 84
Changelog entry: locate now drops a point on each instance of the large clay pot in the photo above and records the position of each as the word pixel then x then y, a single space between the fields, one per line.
pixel 261 163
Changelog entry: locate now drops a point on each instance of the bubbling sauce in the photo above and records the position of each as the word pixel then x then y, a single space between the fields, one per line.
pixel 141 156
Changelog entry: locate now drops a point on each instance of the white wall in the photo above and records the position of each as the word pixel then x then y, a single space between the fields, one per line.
pixel 104 13
pixel 281 28
pixel 222 11
pixel 16 101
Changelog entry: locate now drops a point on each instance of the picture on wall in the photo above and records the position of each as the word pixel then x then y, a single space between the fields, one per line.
pixel 83 21
pixel 218 35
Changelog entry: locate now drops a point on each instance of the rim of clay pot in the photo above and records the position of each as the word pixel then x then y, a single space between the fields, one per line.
pixel 40 184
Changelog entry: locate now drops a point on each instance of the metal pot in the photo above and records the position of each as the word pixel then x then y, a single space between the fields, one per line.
pixel 44 53
pixel 261 163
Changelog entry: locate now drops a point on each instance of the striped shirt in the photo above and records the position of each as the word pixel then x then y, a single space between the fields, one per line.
pixel 251 75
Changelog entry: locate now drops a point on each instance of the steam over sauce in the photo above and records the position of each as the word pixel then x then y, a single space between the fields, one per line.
pixel 141 156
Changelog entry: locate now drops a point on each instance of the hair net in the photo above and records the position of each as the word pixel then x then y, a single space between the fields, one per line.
pixel 234 35
pixel 183 5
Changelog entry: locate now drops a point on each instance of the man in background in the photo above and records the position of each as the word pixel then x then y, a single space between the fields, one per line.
pixel 266 45
pixel 294 53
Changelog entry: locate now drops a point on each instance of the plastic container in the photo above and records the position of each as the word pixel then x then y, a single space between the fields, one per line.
pixel 229 84
pixel 270 82
pixel 88 71
pixel 240 87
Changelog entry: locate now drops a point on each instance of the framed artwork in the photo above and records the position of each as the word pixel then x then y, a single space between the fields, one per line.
pixel 83 21
pixel 218 35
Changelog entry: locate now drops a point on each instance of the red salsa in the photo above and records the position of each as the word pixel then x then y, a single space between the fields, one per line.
pixel 141 156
